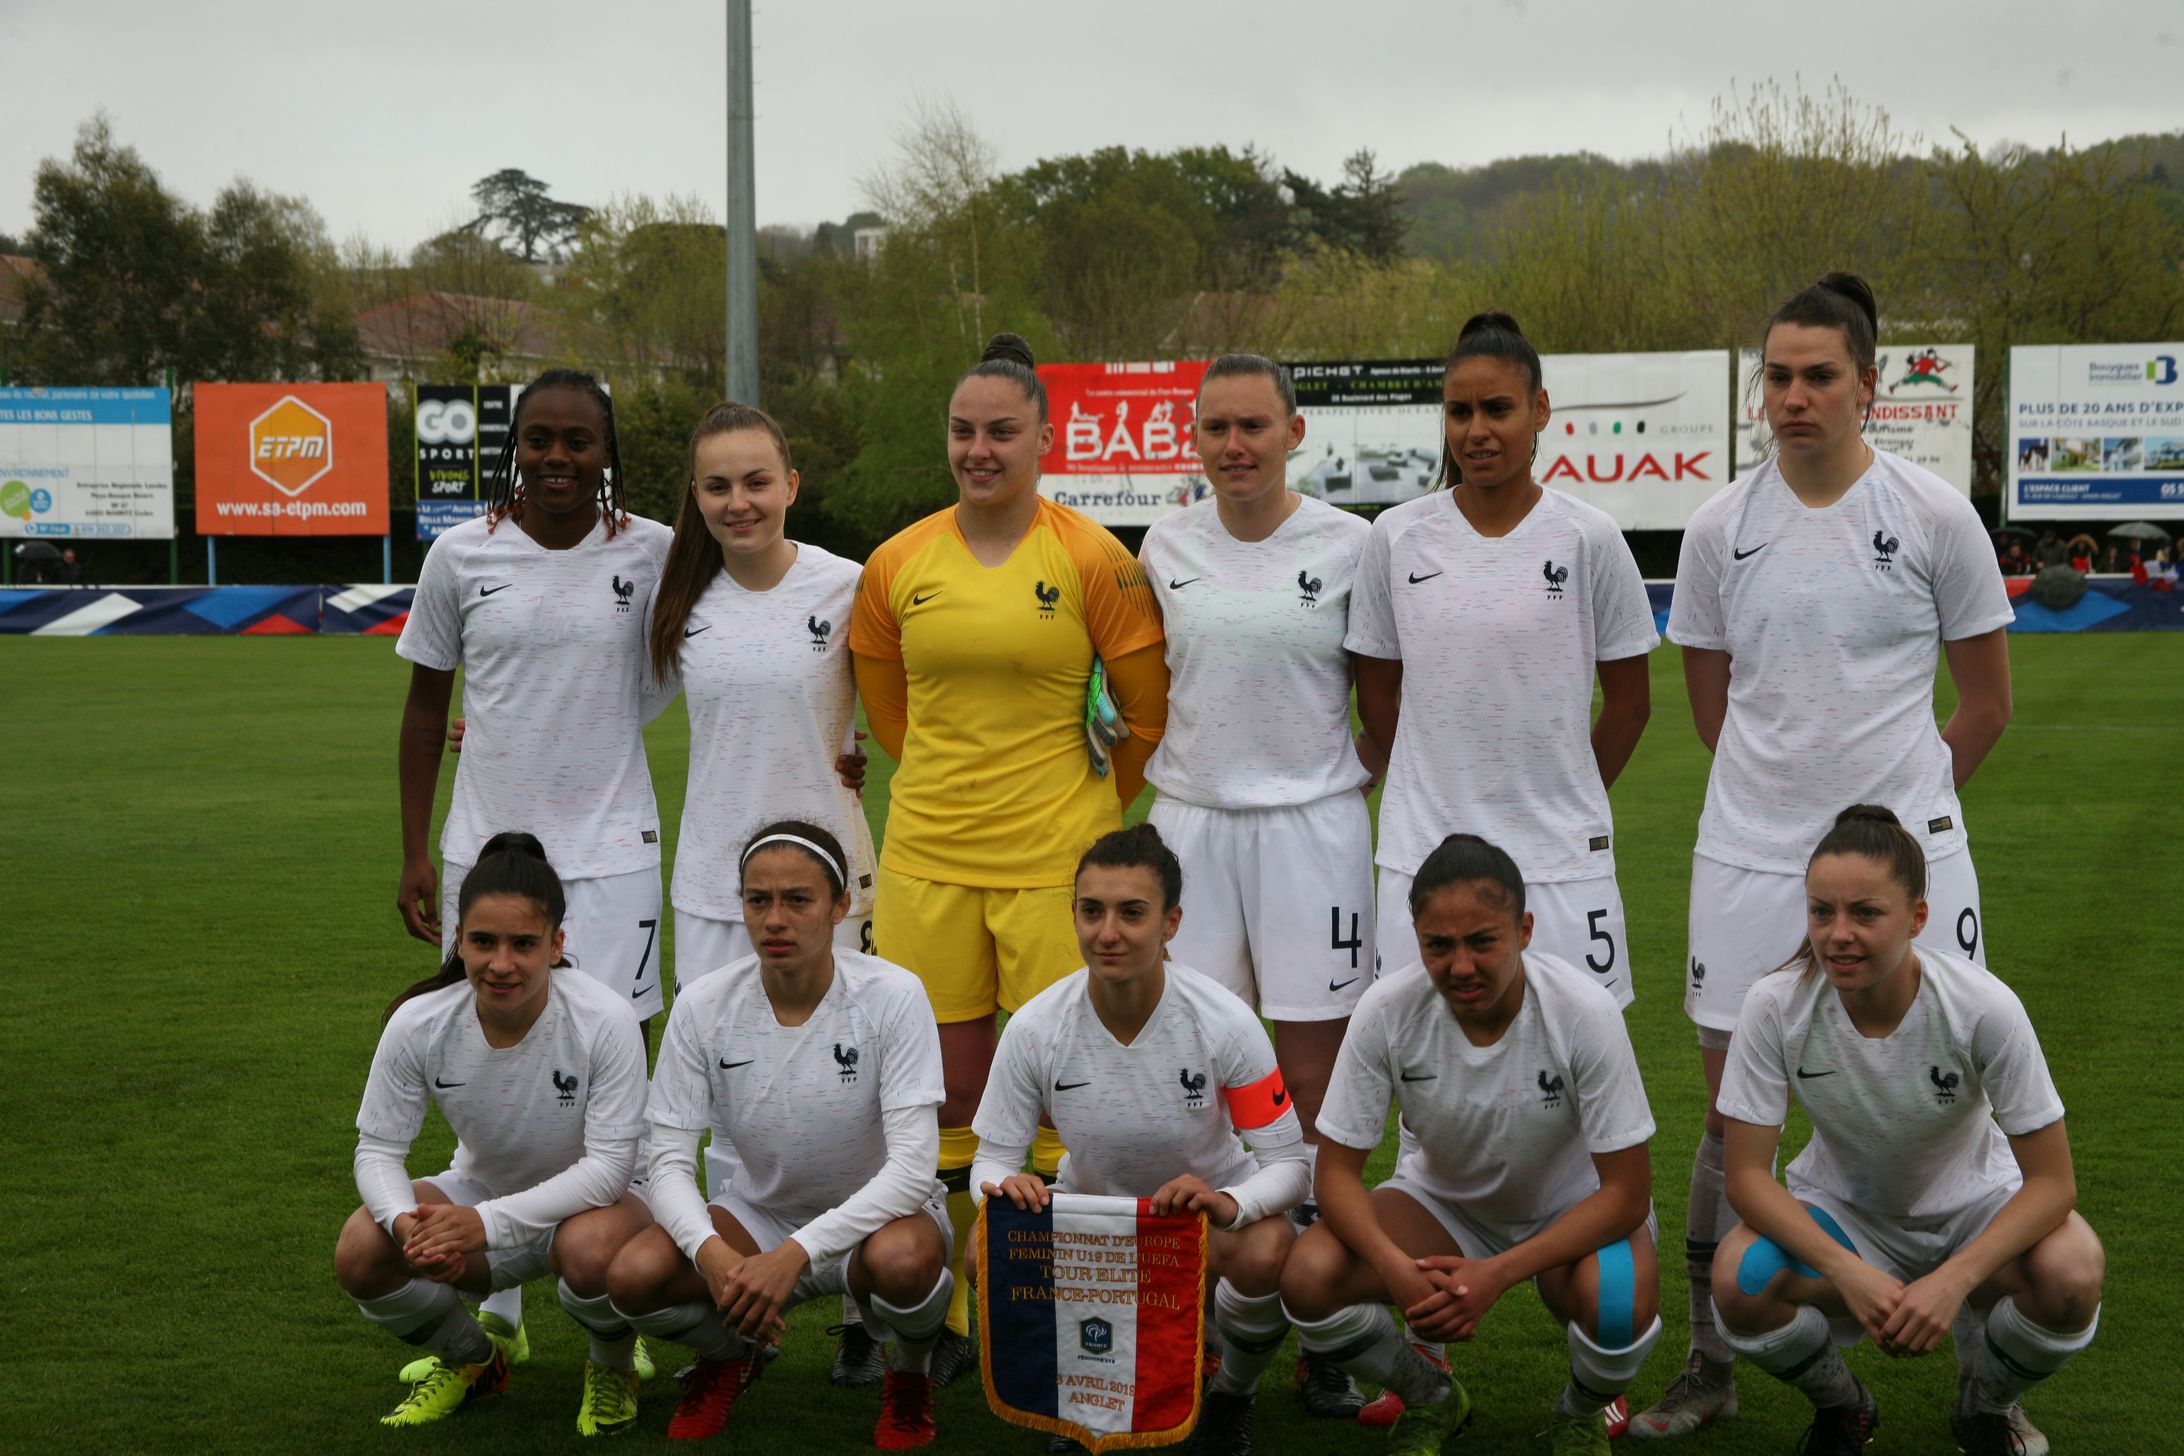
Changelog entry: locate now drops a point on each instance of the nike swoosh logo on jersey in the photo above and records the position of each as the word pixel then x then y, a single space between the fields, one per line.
pixel 1338 985
pixel 486 591
pixel 1420 1077
pixel 1805 1076
pixel 1415 578
pixel 694 631
pixel 1740 555
pixel 728 1066
pixel 1061 1086
pixel 918 601
pixel 1281 1097
pixel 443 1086
pixel 1174 585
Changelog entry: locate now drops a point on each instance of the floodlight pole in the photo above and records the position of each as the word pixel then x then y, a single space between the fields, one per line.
pixel 742 213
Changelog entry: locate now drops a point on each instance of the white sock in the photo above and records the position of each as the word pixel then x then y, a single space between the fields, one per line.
pixel 1598 1374
pixel 1363 1340
pixel 433 1317
pixel 1707 1218
pixel 2018 1354
pixel 696 1324
pixel 507 1303
pixel 1802 1353
pixel 915 1327
pixel 1251 1331
pixel 613 1342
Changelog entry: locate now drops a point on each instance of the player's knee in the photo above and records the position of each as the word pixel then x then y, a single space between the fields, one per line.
pixel 1310 1273
pixel 2067 1271
pixel 640 1270
pixel 1255 1267
pixel 365 1259
pixel 1622 1295
pixel 900 1264
pixel 584 1250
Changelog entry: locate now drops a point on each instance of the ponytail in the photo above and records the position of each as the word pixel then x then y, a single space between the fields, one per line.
pixel 511 863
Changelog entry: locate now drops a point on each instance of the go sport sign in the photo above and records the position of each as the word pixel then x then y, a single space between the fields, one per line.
pixel 87 462
pixel 2096 432
pixel 460 431
pixel 1645 437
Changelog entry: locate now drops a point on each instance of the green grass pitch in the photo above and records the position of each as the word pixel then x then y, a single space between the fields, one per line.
pixel 200 855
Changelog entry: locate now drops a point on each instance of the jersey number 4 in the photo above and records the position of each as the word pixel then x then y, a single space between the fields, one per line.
pixel 1356 941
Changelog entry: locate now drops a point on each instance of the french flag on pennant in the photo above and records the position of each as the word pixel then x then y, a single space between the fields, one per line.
pixel 1094 1314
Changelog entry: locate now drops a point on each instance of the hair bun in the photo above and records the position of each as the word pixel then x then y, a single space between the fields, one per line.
pixel 1490 319
pixel 1854 288
pixel 516 841
pixel 1869 813
pixel 1010 348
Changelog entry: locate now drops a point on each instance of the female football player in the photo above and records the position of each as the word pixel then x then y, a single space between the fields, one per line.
pixel 1938 1174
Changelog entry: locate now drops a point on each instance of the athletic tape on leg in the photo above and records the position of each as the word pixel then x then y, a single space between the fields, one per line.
pixel 1618 1295
pixel 1766 1258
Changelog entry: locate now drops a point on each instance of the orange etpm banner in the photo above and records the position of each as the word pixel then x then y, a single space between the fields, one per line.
pixel 291 459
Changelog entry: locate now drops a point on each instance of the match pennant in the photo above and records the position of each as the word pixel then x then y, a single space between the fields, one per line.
pixel 1094 1318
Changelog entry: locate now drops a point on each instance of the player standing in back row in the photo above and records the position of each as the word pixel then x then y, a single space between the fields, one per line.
pixel 1482 616
pixel 975 632
pixel 1814 599
pixel 1258 779
pixel 541 603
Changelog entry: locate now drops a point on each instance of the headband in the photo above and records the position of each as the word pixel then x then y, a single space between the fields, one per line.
pixel 841 879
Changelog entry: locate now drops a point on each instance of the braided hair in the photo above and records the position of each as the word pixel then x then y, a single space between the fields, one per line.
pixel 504 501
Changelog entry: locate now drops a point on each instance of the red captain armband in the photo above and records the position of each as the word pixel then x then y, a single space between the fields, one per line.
pixel 1256 1104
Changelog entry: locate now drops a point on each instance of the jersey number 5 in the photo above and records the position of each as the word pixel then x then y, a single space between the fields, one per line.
pixel 1592 925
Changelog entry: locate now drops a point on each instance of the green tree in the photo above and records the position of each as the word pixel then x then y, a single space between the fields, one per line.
pixel 137 282
pixel 1362 214
pixel 530 224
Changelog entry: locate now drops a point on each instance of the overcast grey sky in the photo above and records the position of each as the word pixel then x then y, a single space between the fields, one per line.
pixel 383 113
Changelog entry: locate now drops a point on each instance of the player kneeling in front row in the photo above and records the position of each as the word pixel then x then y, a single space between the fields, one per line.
pixel 822 1066
pixel 1938 1172
pixel 541 1073
pixel 1517 1077
pixel 1149 1072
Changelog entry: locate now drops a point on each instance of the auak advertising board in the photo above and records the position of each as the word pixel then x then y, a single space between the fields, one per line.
pixel 2096 432
pixel 87 462
pixel 1645 437
pixel 1922 409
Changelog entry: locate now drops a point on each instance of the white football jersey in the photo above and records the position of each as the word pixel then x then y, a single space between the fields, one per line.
pixel 766 679
pixel 523 1113
pixel 1833 621
pixel 1258 682
pixel 800 1104
pixel 1505 1132
pixel 1914 1124
pixel 1133 1117
pixel 1498 637
pixel 551 645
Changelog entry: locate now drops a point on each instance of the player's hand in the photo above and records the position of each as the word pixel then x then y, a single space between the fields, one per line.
pixel 850 768
pixel 760 1287
pixel 444 1232
pixel 717 1263
pixel 1923 1315
pixel 1028 1191
pixel 1871 1297
pixel 455 735
pixel 1464 1290
pixel 418 900
pixel 1192 1194
pixel 1408 1289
